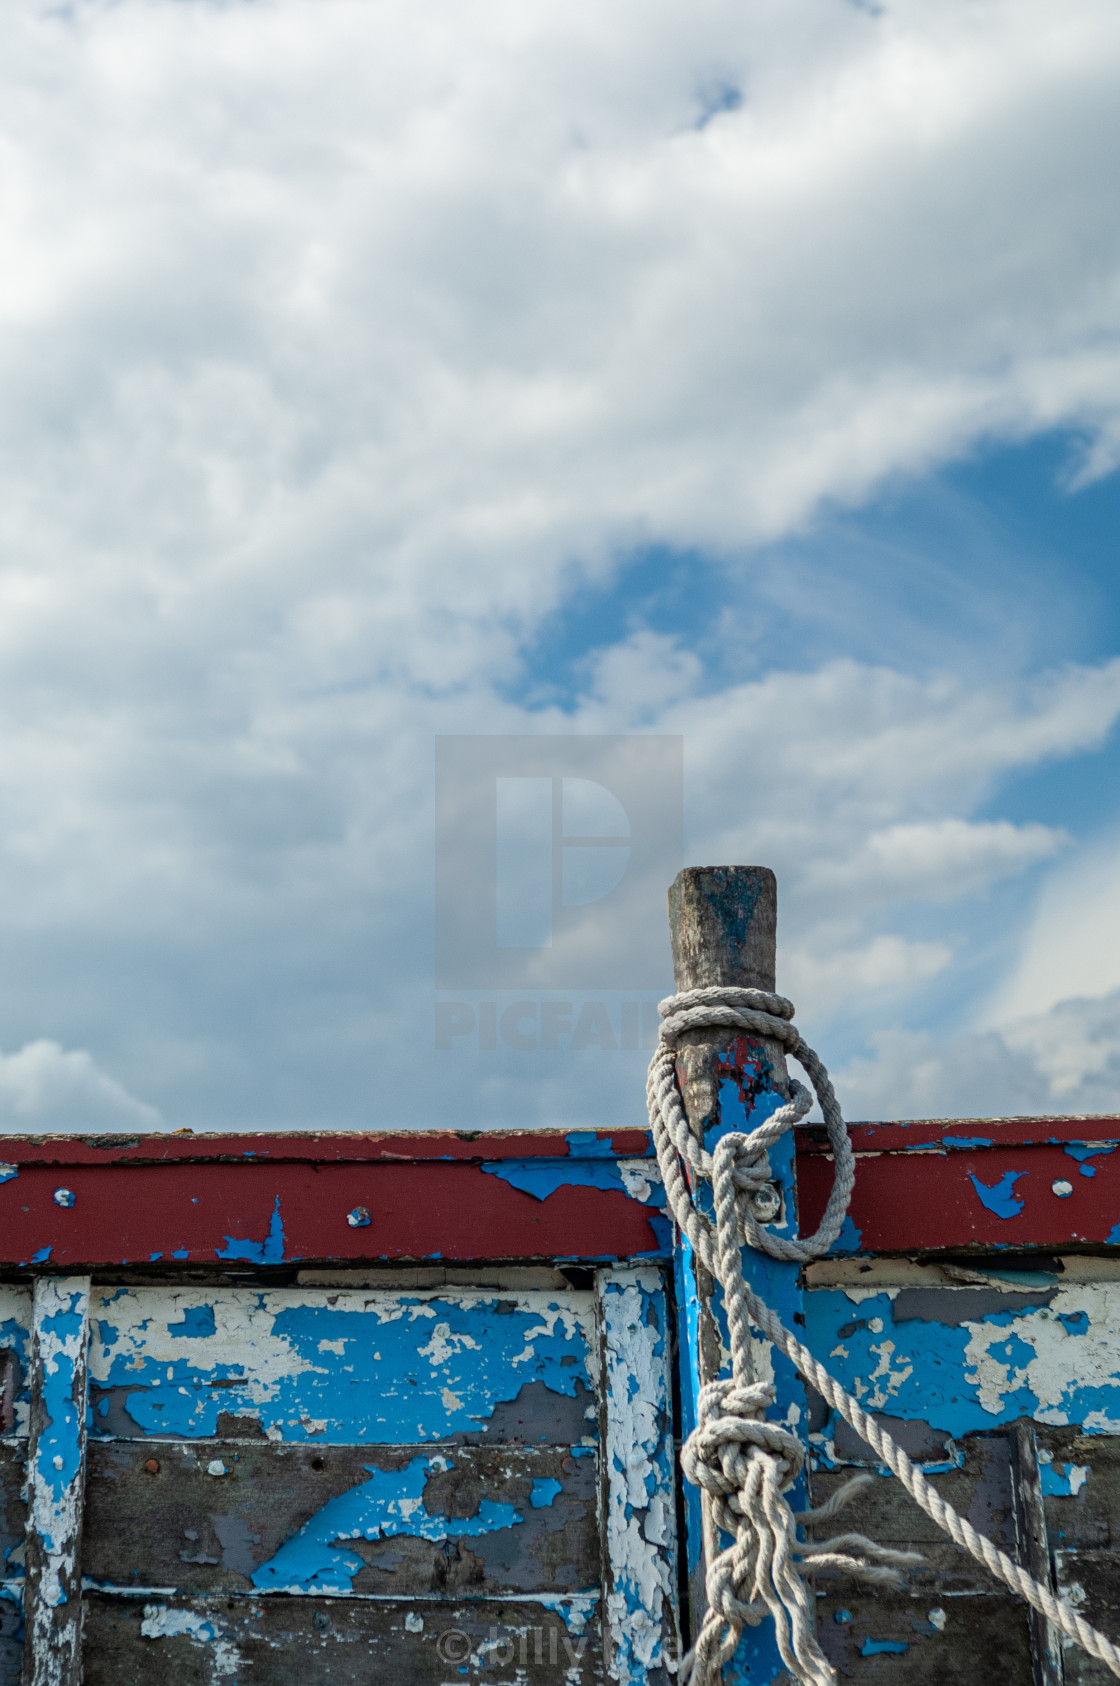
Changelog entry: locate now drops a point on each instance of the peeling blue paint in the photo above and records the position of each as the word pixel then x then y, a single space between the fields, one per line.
pixel 389 1504
pixel 55 1470
pixel 268 1251
pixel 1061 1481
pixel 370 1368
pixel 198 1320
pixel 586 1144
pixel 962 1377
pixel 7 1172
pixel 968 1141
pixel 544 1493
pixel 1000 1197
pixel 882 1647
pixel 1090 1150
pixel 542 1177
pixel 153 1258
pixel 744 1106
pixel 850 1239
pixel 42 1256
pixel 182 1253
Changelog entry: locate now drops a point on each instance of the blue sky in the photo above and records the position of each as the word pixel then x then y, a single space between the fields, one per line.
pixel 742 372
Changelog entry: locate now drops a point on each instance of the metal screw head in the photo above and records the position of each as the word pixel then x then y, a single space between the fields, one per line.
pixel 766 1204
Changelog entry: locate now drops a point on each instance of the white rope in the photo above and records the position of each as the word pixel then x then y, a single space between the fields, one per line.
pixel 742 1464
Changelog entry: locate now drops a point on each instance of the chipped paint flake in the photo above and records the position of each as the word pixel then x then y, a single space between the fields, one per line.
pixel 162 1622
pixel 388 1505
pixel 1000 1197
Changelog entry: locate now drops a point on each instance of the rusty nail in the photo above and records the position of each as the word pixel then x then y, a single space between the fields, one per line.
pixel 152 1466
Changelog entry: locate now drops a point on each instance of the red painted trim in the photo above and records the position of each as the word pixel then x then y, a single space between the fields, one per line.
pixel 231 1204
pixel 213 1198
pixel 344 1147
pixel 985 1183
pixel 957 1134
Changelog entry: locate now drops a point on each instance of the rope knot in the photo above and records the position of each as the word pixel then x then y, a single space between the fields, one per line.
pixel 730 1433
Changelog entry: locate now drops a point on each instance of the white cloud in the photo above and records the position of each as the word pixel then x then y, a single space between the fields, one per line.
pixel 1063 1061
pixel 340 345
pixel 1072 944
pixel 46 1087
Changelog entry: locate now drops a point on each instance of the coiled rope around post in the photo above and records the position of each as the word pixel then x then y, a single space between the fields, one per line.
pixel 743 1464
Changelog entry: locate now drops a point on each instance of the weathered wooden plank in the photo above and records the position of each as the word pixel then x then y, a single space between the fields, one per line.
pixel 13 1508
pixel 344 1366
pixel 11 1635
pixel 350 1642
pixel 893 1639
pixel 235 1517
pixel 1080 1481
pixel 1089 1580
pixel 56 1482
pixel 639 1477
pixel 981 1489
pixel 1034 1551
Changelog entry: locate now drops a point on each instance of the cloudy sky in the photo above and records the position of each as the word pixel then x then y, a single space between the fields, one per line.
pixel 747 370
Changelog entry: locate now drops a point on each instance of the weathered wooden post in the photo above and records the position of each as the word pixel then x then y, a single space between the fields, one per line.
pixel 723 925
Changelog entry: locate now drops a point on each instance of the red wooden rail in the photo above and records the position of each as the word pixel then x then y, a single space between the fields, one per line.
pixel 289 1198
pixel 976 1183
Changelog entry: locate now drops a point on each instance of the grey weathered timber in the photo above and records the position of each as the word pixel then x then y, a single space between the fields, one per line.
pixel 723 924
pixel 55 1482
pixel 1083 1529
pixel 156 1516
pixel 982 1486
pixel 952 1622
pixel 348 1641
pixel 1034 1552
pixel 13 1500
pixel 11 1643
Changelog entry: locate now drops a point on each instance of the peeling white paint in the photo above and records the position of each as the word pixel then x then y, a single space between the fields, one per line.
pixel 244 1341
pixel 639 1178
pixel 444 1345
pixel 890 1380
pixel 1060 1364
pixel 640 1503
pixel 161 1622
pixel 56 1472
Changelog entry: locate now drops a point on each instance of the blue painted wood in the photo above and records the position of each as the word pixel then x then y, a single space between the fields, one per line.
pixel 56 1482
pixel 743 1106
